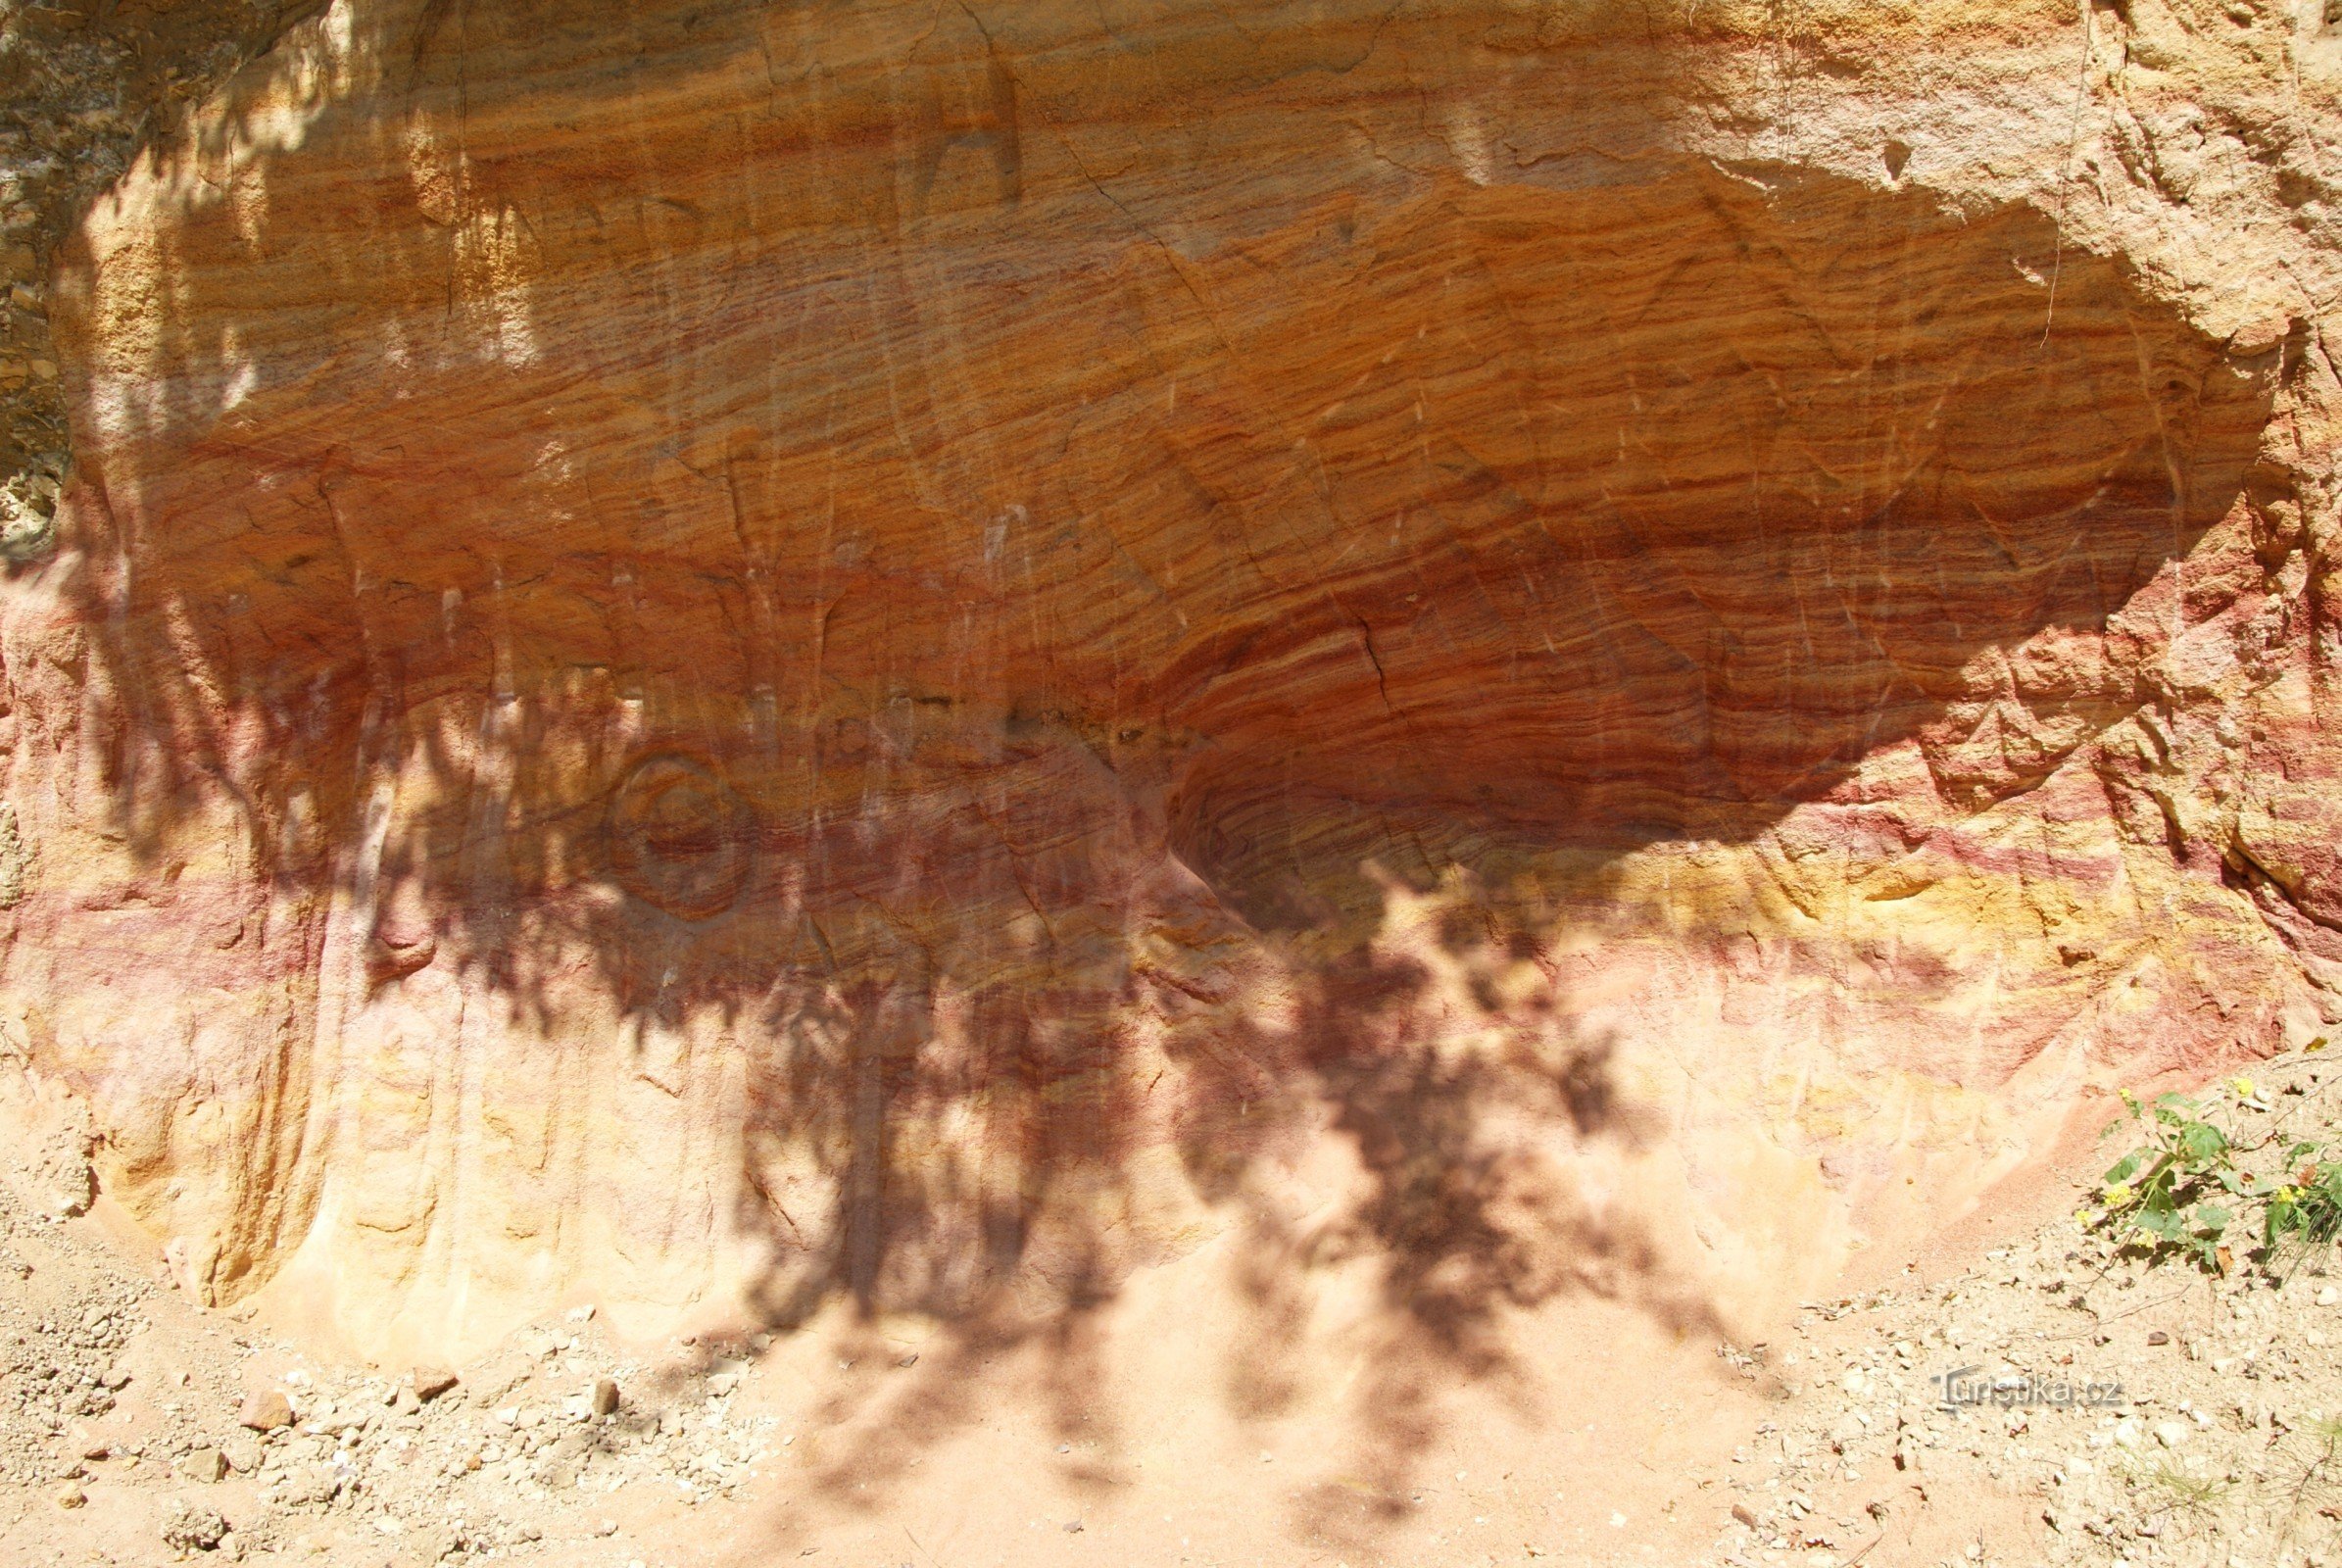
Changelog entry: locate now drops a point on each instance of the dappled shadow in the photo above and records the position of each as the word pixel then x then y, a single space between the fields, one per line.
pixel 1463 1210
pixel 785 669
pixel 1469 1209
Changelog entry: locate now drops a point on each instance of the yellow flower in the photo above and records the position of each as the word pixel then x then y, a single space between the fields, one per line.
pixel 2241 1087
pixel 2118 1193
pixel 2286 1195
pixel 2084 1219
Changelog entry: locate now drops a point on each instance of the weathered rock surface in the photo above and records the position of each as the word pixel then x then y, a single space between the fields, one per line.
pixel 891 652
pixel 83 86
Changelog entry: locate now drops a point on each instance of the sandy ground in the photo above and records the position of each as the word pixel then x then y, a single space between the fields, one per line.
pixel 1159 1430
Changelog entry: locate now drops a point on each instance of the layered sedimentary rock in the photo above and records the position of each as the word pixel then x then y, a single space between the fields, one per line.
pixel 892 653
pixel 83 86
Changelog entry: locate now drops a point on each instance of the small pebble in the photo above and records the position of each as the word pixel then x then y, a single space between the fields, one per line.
pixel 265 1412
pixel 430 1382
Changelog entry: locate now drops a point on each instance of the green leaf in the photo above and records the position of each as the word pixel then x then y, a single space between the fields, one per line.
pixel 2203 1141
pixel 2212 1217
pixel 2121 1170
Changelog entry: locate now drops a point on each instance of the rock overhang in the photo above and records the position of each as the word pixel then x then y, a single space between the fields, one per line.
pixel 855 579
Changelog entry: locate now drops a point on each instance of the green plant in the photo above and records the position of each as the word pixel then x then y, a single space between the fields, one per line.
pixel 2179 1492
pixel 2180 1193
pixel 2306 1209
pixel 2160 1193
pixel 2325 1437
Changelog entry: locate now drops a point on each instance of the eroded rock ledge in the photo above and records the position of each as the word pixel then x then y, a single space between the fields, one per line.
pixel 896 654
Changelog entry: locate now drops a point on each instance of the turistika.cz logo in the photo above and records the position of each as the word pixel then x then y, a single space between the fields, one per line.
pixel 1966 1388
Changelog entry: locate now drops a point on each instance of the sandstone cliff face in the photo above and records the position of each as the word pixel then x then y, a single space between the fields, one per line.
pixel 886 654
pixel 84 86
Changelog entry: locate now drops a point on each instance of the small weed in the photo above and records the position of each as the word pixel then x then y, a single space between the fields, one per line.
pixel 2326 1440
pixel 2179 1492
pixel 2181 1191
